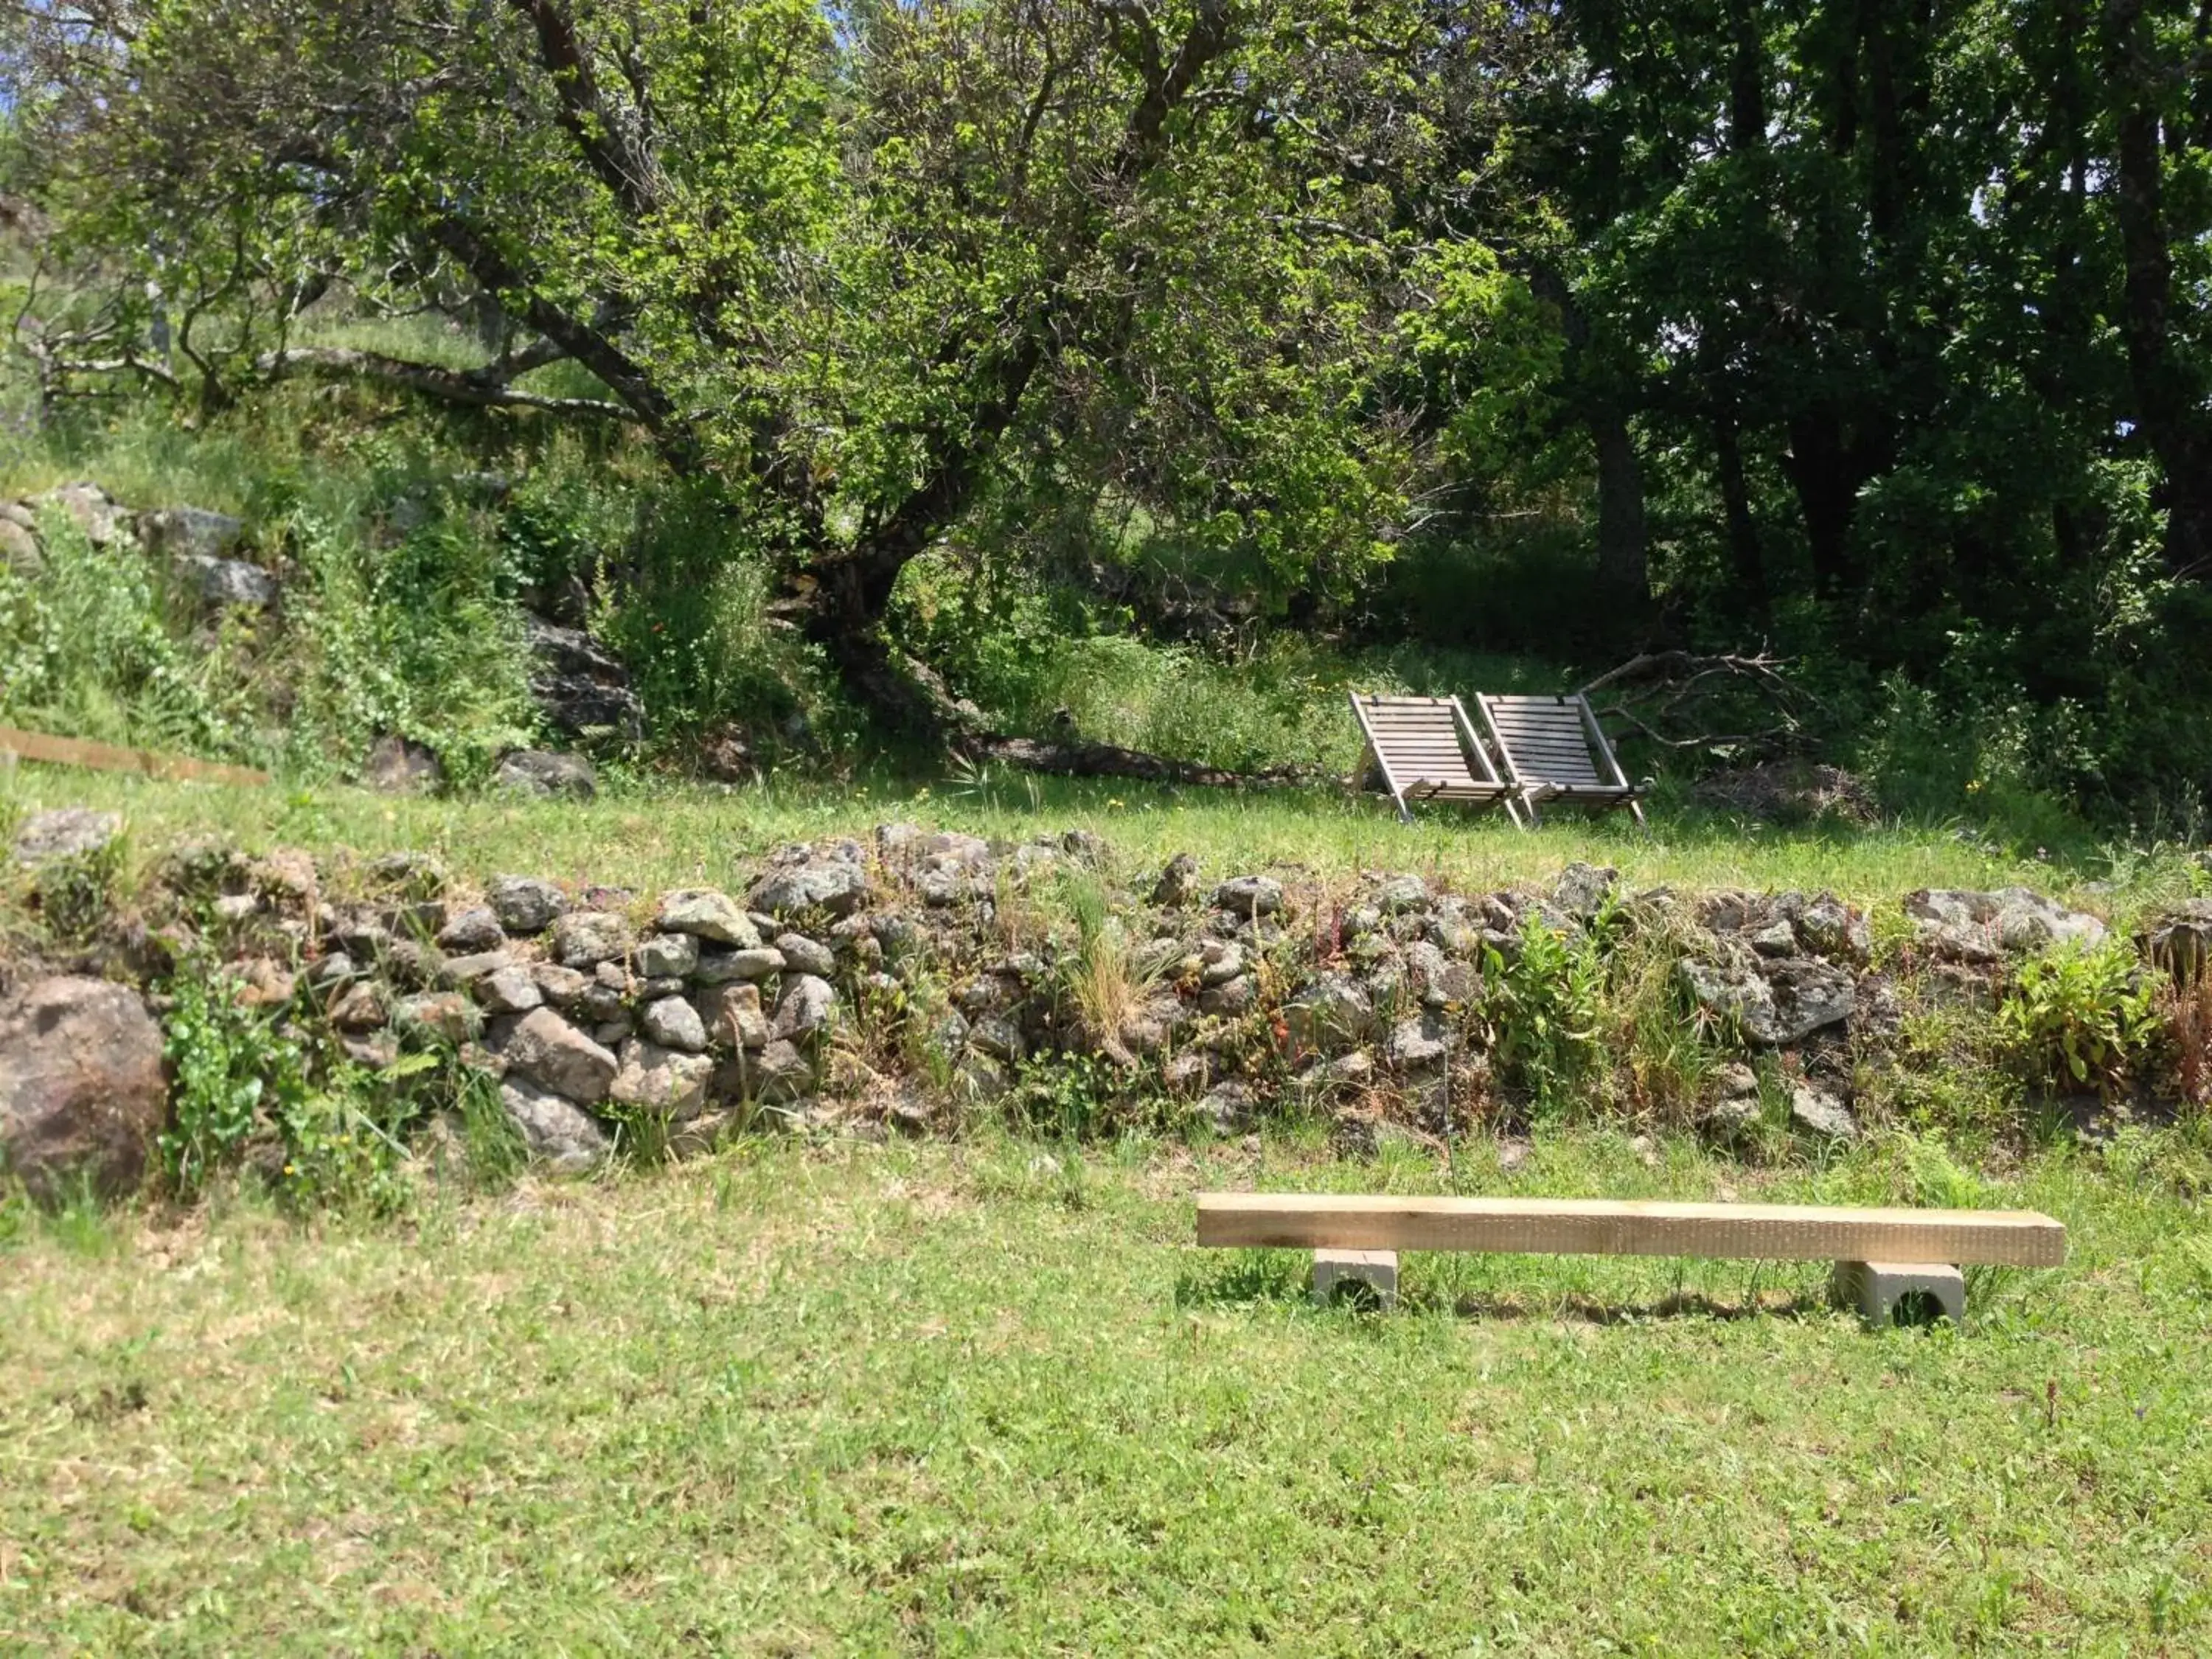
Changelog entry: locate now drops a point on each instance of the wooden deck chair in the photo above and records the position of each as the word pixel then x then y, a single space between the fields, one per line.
pixel 1426 749
pixel 1552 748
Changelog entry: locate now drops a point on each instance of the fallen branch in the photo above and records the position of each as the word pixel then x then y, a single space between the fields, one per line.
pixel 1668 698
pixel 1106 760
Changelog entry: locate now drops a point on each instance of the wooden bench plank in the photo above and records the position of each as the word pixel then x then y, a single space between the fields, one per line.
pixel 1556 1226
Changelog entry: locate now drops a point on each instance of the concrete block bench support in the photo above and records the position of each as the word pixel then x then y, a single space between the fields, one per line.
pixel 1900 1292
pixel 1883 1255
pixel 1373 1272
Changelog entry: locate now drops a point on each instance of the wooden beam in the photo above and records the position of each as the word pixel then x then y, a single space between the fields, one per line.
pixel 106 757
pixel 1573 1226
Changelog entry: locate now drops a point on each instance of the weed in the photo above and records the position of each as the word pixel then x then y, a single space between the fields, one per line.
pixel 2079 1015
pixel 1544 1012
pixel 228 1063
pixel 75 894
pixel 2184 1012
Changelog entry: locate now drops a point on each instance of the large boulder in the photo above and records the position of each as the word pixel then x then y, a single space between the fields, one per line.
pixel 582 689
pixel 189 533
pixel 1964 926
pixel 82 1090
pixel 226 583
pixel 66 832
pixel 546 773
pixel 1251 897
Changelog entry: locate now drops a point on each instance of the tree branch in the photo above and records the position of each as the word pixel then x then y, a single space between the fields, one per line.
pixel 607 137
pixel 454 385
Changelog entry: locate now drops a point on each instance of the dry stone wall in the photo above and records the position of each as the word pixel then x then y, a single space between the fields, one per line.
pixel 920 974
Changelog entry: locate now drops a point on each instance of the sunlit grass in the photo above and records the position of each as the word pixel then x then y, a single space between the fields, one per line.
pixel 988 1398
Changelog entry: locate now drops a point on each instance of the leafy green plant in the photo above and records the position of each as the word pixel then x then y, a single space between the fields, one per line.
pixel 1544 1013
pixel 232 1069
pixel 2079 1017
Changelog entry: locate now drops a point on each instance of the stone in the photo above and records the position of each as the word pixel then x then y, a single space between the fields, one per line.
pixel 732 1015
pixel 1229 998
pixel 1829 927
pixel 1583 890
pixel 361 1007
pixel 600 1002
pixel 412 965
pixel 1971 926
pixel 235 908
pixel 1736 1081
pixel 667 956
pixel 950 868
pixel 2177 938
pixel 471 932
pixel 1331 1012
pixel 19 548
pixel 804 1010
pixel 90 508
pixel 560 1136
pixel 415 877
pixel 585 938
pixel 781 1073
pixel 65 832
pixel 332 967
pixel 1819 1113
pixel 1229 1108
pixel 226 583
pixel 1400 895
pixel 611 1034
pixel 1363 1277
pixel 663 1080
pixel 1419 1044
pixel 524 905
pixel 1219 962
pixel 583 690
pixel 461 972
pixel 659 986
pixel 706 915
pixel 1178 883
pixel 804 956
pixel 673 1023
pixel 508 991
pixel 546 773
pixel 441 1016
pixel 400 766
pixel 83 1092
pixel 1250 896
pixel 997 1037
pixel 1892 1293
pixel 830 885
pixel 190 532
pixel 561 987
pixel 1732 1118
pixel 547 1049
pixel 724 966
pixel 1783 1003
pixel 1439 980
pixel 1777 938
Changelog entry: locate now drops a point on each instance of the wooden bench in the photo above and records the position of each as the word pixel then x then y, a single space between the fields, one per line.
pixel 1883 1256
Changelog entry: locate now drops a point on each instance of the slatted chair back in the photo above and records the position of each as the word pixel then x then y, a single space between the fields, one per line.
pixel 1426 749
pixel 1552 748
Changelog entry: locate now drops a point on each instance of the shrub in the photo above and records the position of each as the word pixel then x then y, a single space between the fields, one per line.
pixel 75 893
pixel 2079 1017
pixel 2185 1011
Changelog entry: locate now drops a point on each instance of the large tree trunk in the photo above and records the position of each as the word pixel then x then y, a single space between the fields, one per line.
pixel 2169 398
pixel 1746 562
pixel 1623 549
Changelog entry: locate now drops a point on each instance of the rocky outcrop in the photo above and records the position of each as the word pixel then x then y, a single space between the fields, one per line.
pixel 582 689
pixel 1960 926
pixel 82 1091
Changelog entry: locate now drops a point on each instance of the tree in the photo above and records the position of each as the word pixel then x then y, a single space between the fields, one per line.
pixel 842 268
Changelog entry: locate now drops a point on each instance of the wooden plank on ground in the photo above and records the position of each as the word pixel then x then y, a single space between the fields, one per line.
pixel 1560 1226
pixel 106 757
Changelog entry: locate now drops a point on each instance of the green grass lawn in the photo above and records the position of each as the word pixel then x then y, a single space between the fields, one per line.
pixel 649 838
pixel 988 1398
